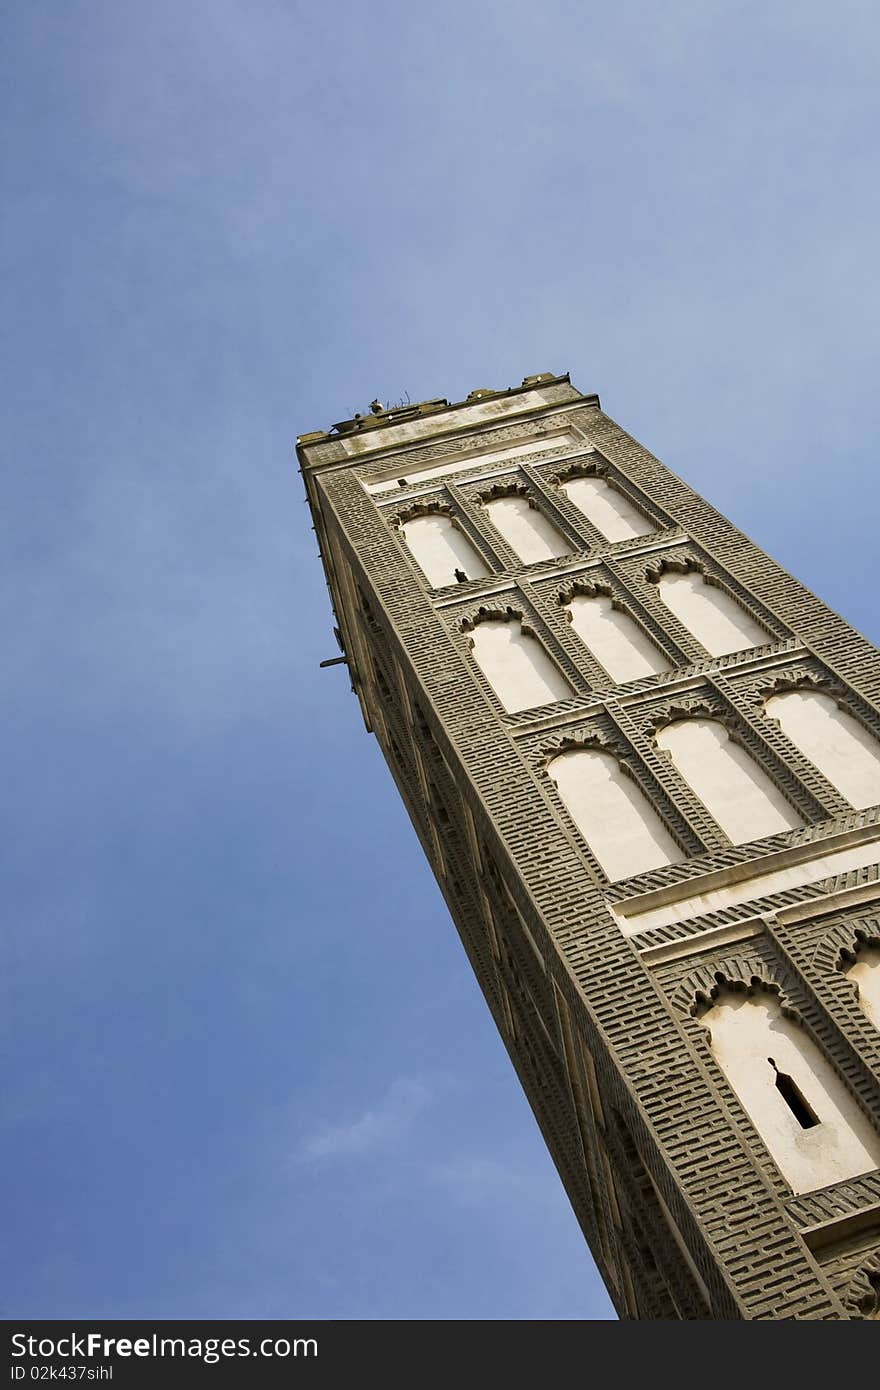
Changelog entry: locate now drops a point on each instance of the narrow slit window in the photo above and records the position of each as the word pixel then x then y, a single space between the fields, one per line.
pixel 794 1098
pixel 812 1127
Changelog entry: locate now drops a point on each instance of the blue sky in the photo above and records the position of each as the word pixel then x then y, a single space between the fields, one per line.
pixel 234 1090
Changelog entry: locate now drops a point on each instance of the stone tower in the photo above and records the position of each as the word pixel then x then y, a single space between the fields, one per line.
pixel 644 764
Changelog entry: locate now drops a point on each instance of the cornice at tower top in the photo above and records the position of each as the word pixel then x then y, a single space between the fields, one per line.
pixel 379 427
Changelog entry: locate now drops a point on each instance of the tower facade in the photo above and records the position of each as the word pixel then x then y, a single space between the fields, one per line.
pixel 644 764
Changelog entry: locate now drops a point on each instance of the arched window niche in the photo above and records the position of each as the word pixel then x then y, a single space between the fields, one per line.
pixel 530 534
pixel 515 664
pixel 613 637
pixel 861 965
pixel 611 811
pixel 813 1128
pixel 719 623
pixel 832 739
pixel 614 516
pixel 440 548
pixel 736 792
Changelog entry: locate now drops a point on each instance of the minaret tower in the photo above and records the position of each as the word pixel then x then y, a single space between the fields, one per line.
pixel 644 764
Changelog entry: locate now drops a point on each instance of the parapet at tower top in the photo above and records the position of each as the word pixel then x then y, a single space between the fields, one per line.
pixel 380 415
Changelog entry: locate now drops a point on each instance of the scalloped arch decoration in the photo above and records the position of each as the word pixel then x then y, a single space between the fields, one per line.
pixel 420 506
pixel 684 707
pixel 798 678
pixel 861 966
pixel 736 974
pixel 864 1296
pixel 568 742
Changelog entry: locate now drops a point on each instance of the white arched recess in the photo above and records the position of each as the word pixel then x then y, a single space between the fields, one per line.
pixel 439 548
pixel 612 813
pixel 615 640
pixel 835 742
pixel 866 974
pixel 711 615
pixel 731 785
pixel 527 531
pixel 516 665
pixel 813 1128
pixel 612 514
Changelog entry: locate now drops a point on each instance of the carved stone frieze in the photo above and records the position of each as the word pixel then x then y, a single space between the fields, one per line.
pixel 452 450
pixel 423 506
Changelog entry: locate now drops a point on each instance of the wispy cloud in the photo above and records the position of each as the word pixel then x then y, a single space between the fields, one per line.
pixel 391 1117
pixel 481 1180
